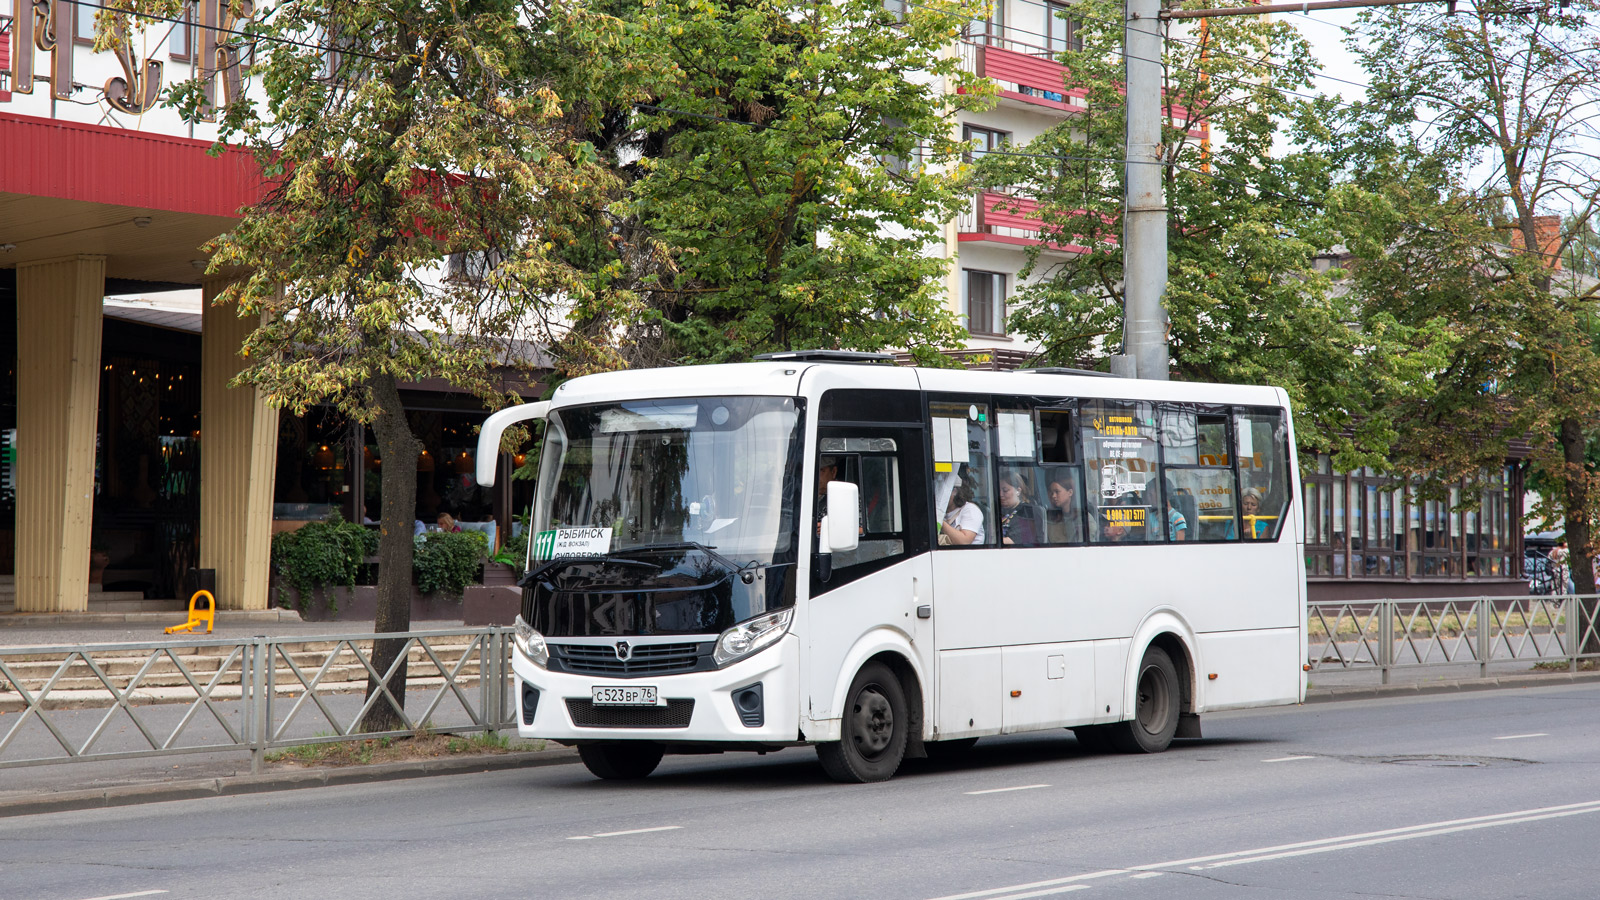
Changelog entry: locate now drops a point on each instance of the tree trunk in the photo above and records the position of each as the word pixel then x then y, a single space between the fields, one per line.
pixel 1579 534
pixel 399 448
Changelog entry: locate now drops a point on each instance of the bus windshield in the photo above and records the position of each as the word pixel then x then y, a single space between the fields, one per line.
pixel 720 472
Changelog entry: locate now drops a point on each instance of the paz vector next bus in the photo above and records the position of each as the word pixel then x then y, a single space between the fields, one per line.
pixel 890 562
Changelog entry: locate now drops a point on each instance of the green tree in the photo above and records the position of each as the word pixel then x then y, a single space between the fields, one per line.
pixel 1247 301
pixel 1504 99
pixel 392 134
pixel 787 175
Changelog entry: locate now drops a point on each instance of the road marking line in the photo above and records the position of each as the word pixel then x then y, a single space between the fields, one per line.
pixel 1149 875
pixel 1044 893
pixel 1288 758
pixel 126 896
pixel 1025 787
pixel 1513 737
pixel 606 834
pixel 991 892
pixel 1302 848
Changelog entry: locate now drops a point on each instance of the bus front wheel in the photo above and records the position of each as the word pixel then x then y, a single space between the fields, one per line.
pixel 622 760
pixel 873 731
pixel 1155 716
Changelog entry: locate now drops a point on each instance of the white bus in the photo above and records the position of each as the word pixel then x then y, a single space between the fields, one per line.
pixel 890 562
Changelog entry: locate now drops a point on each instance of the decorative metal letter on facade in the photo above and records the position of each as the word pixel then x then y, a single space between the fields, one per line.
pixel 220 50
pixel 48 18
pixel 138 89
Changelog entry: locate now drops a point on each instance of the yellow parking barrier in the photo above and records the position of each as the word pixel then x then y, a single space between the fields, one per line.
pixel 198 615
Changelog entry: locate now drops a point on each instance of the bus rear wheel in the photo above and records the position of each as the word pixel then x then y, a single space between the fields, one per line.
pixel 872 735
pixel 1155 712
pixel 621 760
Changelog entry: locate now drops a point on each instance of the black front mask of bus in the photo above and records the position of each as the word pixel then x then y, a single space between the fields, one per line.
pixel 682 593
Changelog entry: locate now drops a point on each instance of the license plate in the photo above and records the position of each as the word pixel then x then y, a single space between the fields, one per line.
pixel 632 695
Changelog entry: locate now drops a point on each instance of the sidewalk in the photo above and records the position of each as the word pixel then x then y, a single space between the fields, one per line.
pixel 122 782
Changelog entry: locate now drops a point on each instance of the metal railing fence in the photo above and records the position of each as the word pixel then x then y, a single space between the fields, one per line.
pixel 1384 635
pixel 100 702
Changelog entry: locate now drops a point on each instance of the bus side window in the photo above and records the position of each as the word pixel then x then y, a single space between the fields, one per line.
pixel 873 465
pixel 1198 474
pixel 963 474
pixel 1120 458
pixel 1261 442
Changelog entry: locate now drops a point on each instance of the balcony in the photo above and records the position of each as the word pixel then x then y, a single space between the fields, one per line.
pixel 1027 75
pixel 1006 220
pixel 1030 78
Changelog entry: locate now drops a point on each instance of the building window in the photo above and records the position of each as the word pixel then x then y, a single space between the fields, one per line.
pixel 1367 524
pixel 985 302
pixel 1061 29
pixel 983 140
pixel 83 23
pixel 180 43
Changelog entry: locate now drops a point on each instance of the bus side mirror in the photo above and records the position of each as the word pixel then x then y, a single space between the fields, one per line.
pixel 496 425
pixel 843 523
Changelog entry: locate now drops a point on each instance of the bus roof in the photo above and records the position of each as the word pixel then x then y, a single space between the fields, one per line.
pixel 784 378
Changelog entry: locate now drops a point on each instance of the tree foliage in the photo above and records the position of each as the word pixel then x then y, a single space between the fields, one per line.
pixel 1499 103
pixel 1247 218
pixel 393 134
pixel 783 168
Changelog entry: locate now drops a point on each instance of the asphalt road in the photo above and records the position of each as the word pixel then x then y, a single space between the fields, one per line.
pixel 1484 795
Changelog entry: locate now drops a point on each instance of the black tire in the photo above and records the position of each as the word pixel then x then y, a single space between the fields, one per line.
pixel 873 732
pixel 1156 707
pixel 622 760
pixel 1094 738
pixel 948 750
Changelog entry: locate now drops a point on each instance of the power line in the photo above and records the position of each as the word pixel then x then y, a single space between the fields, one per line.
pixel 253 36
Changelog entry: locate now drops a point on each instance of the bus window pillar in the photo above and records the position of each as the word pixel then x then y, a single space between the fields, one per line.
pixel 58 402
pixel 238 459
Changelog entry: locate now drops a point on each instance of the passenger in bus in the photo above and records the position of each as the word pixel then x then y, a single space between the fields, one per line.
pixel 1256 526
pixel 1177 523
pixel 1020 521
pixel 1064 523
pixel 963 520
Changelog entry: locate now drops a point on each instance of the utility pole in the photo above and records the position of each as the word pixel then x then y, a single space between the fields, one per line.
pixel 1144 215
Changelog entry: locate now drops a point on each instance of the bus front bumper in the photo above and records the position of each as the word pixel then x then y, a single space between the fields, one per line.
pixel 714 717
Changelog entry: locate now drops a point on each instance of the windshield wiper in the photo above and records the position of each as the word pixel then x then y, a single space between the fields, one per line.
pixel 536 572
pixel 736 568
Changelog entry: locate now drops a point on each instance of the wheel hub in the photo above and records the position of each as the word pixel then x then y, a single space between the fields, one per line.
pixel 1153 700
pixel 874 721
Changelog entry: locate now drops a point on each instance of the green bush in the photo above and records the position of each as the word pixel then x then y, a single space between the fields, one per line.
pixel 514 550
pixel 448 561
pixel 320 555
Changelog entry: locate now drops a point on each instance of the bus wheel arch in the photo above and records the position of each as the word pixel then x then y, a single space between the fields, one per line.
pixel 1162 690
pixel 875 726
pixel 1183 659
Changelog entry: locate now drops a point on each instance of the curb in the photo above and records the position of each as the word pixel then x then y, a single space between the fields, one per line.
pixel 224 616
pixel 1417 689
pixel 239 785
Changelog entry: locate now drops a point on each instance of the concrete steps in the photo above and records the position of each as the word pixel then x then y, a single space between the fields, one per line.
pixel 99 601
pixel 163 682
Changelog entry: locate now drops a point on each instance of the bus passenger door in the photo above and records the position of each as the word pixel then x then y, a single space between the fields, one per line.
pixel 881 593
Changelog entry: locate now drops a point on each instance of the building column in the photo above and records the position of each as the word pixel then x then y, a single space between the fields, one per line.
pixel 238 461
pixel 58 403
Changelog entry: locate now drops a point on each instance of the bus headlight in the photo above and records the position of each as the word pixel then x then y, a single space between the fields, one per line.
pixel 747 637
pixel 530 643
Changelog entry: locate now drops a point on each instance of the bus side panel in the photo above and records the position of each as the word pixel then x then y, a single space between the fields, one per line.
pixel 1047 686
pixel 1110 667
pixel 837 621
pixel 969 693
pixel 1252 668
